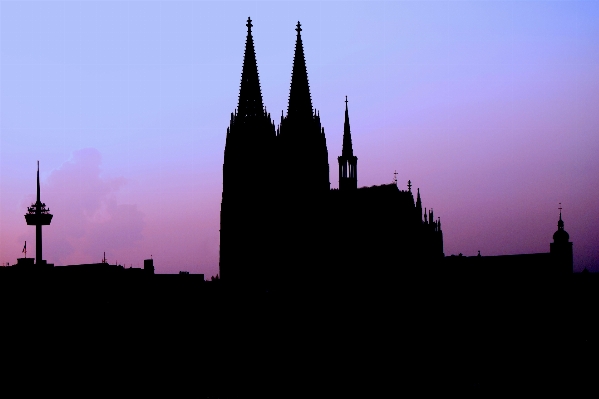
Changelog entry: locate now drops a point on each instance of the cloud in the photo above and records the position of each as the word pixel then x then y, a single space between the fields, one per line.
pixel 88 220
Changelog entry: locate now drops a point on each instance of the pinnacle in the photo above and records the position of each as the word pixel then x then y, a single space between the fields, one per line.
pixel 300 102
pixel 250 95
pixel 347 150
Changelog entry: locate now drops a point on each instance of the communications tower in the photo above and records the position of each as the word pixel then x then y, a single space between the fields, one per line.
pixel 38 215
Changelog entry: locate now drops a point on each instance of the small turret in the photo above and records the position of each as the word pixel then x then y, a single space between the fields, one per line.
pixel 560 235
pixel 561 248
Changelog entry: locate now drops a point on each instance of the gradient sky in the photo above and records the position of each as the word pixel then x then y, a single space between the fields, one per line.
pixel 489 107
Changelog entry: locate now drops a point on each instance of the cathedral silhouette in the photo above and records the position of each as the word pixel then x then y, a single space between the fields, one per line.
pixel 280 219
pixel 282 225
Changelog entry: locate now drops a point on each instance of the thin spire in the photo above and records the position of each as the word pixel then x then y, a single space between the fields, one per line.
pixel 560 211
pixel 347 149
pixel 419 204
pixel 300 102
pixel 38 181
pixel 250 96
pixel 560 222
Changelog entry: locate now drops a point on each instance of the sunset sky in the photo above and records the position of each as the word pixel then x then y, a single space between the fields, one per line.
pixel 491 108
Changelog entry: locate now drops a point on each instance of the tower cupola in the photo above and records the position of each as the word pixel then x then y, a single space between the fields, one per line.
pixel 561 248
pixel 560 235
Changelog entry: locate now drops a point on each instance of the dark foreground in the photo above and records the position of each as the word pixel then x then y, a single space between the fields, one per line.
pixel 369 339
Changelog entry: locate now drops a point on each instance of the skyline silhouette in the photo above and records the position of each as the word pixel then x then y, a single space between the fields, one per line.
pixel 130 132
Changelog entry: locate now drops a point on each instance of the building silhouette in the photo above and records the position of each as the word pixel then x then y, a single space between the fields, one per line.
pixel 561 248
pixel 282 224
pixel 557 262
pixel 280 220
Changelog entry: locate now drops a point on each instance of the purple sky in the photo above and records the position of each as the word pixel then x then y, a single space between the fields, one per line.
pixel 491 108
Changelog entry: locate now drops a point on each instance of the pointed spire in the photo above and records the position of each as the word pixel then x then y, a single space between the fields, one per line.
pixel 347 150
pixel 250 96
pixel 560 222
pixel 560 235
pixel 38 181
pixel 300 102
pixel 419 205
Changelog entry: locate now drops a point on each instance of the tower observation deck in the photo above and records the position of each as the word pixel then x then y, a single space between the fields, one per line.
pixel 38 215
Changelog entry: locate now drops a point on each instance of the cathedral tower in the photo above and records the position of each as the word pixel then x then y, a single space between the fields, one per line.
pixel 348 163
pixel 303 152
pixel 247 178
pixel 303 179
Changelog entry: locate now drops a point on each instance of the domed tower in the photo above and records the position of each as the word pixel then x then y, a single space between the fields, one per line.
pixel 561 248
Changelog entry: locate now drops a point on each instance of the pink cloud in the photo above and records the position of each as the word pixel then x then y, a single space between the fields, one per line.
pixel 88 220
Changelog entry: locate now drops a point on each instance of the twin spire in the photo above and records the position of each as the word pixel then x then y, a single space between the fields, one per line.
pixel 299 111
pixel 250 95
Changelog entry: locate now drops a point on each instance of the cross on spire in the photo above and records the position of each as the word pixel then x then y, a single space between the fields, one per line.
pixel 299 27
pixel 347 150
pixel 395 177
pixel 560 211
pixel 300 102
pixel 409 185
pixel 250 97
